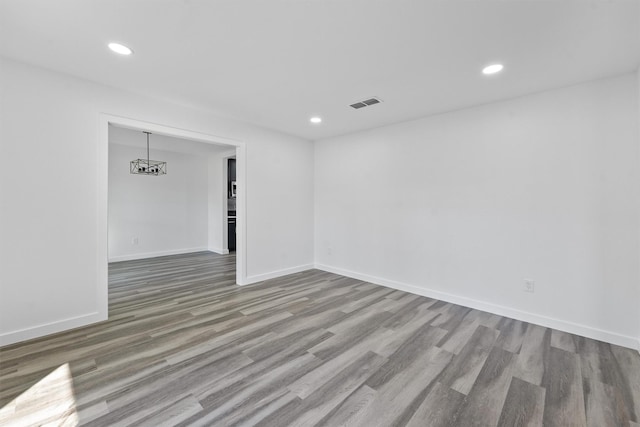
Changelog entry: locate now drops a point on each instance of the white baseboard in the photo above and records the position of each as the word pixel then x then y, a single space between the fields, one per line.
pixel 50 328
pixel 219 251
pixel 145 255
pixel 278 273
pixel 548 322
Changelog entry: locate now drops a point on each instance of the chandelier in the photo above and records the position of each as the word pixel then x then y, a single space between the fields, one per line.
pixel 146 166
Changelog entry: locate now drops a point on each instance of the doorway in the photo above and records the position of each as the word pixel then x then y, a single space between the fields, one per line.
pixel 237 149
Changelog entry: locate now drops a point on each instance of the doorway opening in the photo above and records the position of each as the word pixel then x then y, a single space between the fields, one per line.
pixel 227 148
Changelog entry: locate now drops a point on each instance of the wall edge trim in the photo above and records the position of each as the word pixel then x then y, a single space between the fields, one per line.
pixel 45 329
pixel 525 316
pixel 277 273
pixel 146 255
pixel 219 251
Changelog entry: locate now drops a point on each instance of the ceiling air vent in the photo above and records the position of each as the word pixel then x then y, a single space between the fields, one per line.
pixel 365 103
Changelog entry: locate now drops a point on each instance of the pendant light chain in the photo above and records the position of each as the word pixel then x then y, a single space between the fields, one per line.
pixel 148 160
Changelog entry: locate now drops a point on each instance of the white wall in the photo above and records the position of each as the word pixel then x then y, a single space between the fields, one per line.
pixel 215 239
pixel 49 132
pixel 167 214
pixel 465 206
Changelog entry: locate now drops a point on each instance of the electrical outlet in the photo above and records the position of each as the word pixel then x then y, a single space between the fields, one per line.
pixel 134 241
pixel 529 286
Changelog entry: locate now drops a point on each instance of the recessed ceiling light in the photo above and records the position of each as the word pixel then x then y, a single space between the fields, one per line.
pixel 120 48
pixel 315 120
pixel 492 69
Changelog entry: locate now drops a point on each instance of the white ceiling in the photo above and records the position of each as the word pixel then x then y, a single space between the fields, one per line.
pixel 275 63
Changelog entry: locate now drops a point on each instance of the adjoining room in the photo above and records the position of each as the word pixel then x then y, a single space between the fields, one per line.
pixel 180 210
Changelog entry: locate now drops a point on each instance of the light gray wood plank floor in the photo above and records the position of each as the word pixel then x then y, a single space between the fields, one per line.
pixel 185 346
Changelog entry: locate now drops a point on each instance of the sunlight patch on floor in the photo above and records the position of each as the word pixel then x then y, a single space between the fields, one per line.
pixel 50 400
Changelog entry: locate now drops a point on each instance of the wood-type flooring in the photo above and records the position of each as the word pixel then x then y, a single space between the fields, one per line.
pixel 185 346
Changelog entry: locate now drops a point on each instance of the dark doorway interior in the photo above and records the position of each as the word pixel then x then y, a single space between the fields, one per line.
pixel 231 204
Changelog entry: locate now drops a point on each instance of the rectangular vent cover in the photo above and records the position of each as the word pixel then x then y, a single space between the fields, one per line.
pixel 365 103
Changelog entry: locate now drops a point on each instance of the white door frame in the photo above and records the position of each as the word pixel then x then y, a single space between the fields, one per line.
pixel 103 186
